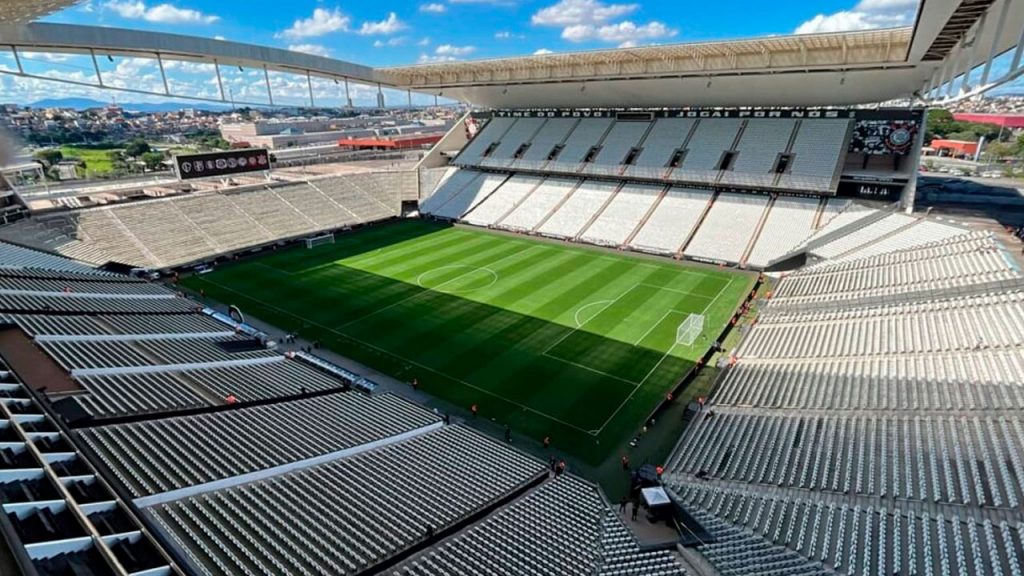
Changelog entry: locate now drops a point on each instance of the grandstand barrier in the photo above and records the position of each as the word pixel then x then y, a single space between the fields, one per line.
pixel 130 337
pixel 723 179
pixel 333 369
pixel 232 481
pixel 155 368
pixel 239 326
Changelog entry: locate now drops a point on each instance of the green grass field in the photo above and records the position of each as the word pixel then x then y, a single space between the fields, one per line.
pixel 571 342
pixel 97 161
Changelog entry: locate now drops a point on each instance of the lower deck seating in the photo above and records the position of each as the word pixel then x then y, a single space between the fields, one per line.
pixel 345 516
pixel 532 211
pixel 623 215
pixel 220 445
pixel 789 222
pixel 564 526
pixel 578 209
pixel 179 230
pixel 497 205
pixel 672 221
pixel 728 227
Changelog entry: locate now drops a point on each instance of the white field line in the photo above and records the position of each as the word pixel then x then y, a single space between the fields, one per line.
pixel 431 290
pixel 580 326
pixel 656 324
pixel 404 359
pixel 667 352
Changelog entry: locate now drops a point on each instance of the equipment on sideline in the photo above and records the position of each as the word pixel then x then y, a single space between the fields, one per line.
pixel 318 240
pixel 690 329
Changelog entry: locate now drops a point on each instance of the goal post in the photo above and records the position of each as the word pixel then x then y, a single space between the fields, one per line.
pixel 691 328
pixel 319 240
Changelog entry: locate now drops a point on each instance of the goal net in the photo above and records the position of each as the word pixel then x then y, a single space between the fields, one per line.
pixel 691 328
pixel 319 240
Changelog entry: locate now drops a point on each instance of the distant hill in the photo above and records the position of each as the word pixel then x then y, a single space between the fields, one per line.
pixel 84 103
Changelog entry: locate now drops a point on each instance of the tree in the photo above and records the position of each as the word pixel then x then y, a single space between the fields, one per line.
pixel 136 148
pixel 49 157
pixel 998 150
pixel 153 160
pixel 966 136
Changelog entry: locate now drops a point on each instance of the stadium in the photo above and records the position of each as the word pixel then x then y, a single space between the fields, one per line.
pixel 685 281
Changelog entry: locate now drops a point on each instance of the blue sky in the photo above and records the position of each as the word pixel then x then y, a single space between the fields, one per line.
pixel 409 31
pixel 401 32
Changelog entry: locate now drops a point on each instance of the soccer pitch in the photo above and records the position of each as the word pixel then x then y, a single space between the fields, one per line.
pixel 575 343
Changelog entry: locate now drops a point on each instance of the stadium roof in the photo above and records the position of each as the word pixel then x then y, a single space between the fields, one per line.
pixel 849 48
pixel 27 10
pixel 831 68
pixel 841 68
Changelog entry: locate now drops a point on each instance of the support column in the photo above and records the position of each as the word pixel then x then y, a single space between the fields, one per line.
pixel 910 190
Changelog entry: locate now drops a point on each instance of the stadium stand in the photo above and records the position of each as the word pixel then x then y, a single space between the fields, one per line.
pixel 533 210
pixel 565 523
pixel 706 148
pixel 520 134
pixel 817 152
pixel 553 133
pixel 758 151
pixel 496 206
pixel 585 136
pixel 345 516
pixel 728 228
pixel 790 221
pixel 623 214
pixel 171 232
pixel 666 136
pixel 471 195
pixel 303 484
pixel 869 422
pixel 489 134
pixel 673 221
pixel 578 209
pixel 623 137
pixel 162 455
pixel 46 484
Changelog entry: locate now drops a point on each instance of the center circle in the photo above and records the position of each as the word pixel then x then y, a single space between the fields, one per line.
pixel 467 279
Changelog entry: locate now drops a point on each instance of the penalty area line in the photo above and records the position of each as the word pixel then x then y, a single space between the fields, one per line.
pixel 404 359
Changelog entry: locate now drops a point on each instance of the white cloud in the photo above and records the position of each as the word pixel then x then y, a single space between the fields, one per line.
pixel 219 37
pixel 456 51
pixel 506 35
pixel 542 52
pixel 618 33
pixel 389 25
pixel 866 15
pixel 314 49
pixel 433 8
pixel 390 42
pixel 430 58
pixel 580 12
pixel 161 13
pixel 424 42
pixel 486 2
pixel 46 56
pixel 322 22
pixel 447 53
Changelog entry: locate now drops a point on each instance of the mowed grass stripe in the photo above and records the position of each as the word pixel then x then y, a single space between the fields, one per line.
pixel 486 342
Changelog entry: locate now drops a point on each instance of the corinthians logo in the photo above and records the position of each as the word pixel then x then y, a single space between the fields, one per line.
pixel 900 137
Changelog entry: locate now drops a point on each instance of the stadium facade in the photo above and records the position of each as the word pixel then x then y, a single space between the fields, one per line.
pixel 868 420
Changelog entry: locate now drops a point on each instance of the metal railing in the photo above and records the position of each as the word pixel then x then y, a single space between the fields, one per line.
pixel 663 175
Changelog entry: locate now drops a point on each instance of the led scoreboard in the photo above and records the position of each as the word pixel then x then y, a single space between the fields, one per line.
pixel 213 164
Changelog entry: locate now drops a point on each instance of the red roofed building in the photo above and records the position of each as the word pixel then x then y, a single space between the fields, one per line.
pixel 959 148
pixel 1011 121
pixel 402 142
